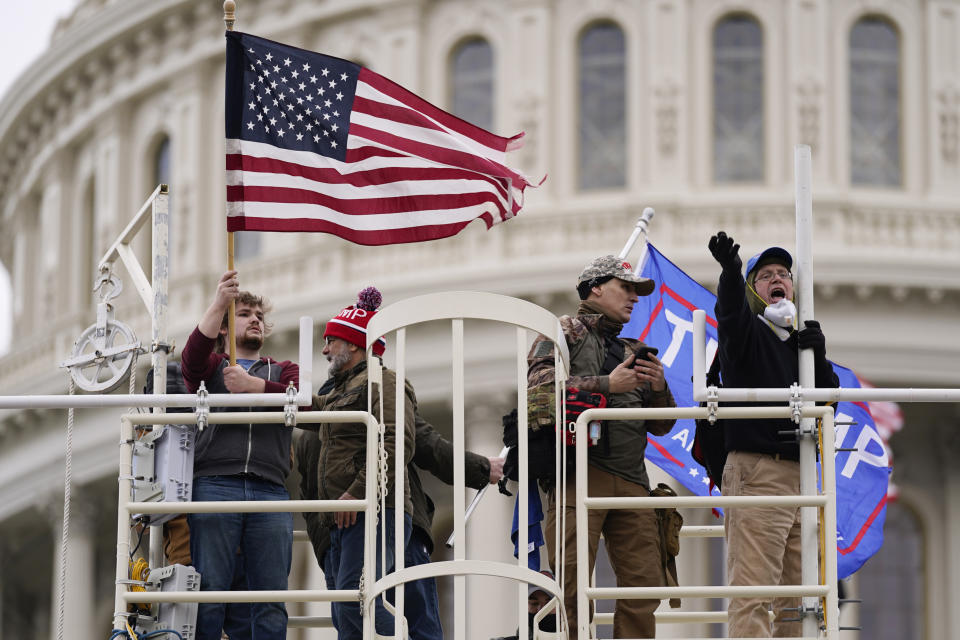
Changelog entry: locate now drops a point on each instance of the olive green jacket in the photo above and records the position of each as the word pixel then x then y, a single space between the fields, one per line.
pixel 341 466
pixel 627 438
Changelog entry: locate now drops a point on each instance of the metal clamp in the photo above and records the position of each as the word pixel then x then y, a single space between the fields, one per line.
pixel 713 403
pixel 290 409
pixel 802 612
pixel 203 407
pixel 796 401
pixel 166 347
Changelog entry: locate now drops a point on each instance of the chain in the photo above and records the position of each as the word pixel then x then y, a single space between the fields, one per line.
pixel 360 589
pixel 383 471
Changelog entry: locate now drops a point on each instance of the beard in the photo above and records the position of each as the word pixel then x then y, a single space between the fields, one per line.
pixel 337 362
pixel 250 342
pixel 547 623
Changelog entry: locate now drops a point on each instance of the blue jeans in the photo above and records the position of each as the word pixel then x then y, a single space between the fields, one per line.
pixel 264 541
pixel 422 607
pixel 236 620
pixel 345 561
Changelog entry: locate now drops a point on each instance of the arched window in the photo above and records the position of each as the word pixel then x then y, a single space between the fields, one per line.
pixel 471 80
pixel 738 100
pixel 892 581
pixel 874 103
pixel 603 107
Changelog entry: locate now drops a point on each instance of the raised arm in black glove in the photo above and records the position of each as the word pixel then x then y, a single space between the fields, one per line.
pixel 811 337
pixel 725 252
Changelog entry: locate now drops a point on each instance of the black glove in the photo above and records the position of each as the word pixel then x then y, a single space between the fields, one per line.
pixel 725 252
pixel 811 337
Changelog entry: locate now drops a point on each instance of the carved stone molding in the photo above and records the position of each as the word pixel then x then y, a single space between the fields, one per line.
pixel 528 108
pixel 808 112
pixel 667 95
pixel 948 117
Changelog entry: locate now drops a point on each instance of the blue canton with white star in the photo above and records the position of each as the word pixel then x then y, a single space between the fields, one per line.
pixel 288 97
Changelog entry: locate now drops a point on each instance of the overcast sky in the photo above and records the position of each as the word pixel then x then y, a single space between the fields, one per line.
pixel 25 30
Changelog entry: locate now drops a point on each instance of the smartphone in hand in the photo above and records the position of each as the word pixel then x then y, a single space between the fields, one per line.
pixel 645 351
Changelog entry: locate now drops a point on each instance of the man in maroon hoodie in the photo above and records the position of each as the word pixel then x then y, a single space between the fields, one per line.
pixel 239 462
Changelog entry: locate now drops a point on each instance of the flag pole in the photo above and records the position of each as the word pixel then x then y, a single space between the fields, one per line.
pixel 229 17
pixel 641 229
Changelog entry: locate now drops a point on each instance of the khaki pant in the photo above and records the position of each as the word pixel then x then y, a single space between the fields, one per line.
pixel 633 545
pixel 176 540
pixel 763 543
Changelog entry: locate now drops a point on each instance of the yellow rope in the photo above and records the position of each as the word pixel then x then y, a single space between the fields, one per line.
pixel 139 570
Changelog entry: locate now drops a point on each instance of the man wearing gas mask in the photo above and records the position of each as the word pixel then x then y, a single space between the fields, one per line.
pixel 759 348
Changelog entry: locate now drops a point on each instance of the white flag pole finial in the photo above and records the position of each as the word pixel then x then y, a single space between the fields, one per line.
pixel 641 229
pixel 229 13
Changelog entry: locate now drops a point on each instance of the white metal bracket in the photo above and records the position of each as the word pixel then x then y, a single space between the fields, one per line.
pixel 713 403
pixel 796 401
pixel 203 407
pixel 290 409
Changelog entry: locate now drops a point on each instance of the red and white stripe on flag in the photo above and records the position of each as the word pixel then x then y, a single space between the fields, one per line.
pixel 316 143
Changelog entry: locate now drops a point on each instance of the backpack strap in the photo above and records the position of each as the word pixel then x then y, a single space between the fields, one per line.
pixel 615 355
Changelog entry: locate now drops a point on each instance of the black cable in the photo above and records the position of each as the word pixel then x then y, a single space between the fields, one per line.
pixel 143 529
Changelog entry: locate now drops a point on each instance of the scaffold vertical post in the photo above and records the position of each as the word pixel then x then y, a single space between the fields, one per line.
pixel 459 520
pixel 125 486
pixel 160 342
pixel 832 609
pixel 583 566
pixel 523 495
pixel 803 270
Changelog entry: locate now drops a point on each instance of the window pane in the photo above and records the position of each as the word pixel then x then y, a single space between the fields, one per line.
pixel 472 82
pixel 891 582
pixel 874 103
pixel 738 100
pixel 602 73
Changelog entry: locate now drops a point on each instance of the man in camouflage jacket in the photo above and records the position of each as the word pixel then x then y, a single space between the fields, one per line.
pixel 602 362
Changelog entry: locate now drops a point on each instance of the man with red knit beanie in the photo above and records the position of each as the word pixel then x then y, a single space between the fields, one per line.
pixel 341 467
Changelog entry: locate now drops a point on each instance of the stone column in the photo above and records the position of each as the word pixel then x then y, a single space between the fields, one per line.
pixel 488 530
pixel 79 601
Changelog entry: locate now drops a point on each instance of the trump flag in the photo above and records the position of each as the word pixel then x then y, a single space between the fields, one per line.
pixel 317 143
pixel 664 319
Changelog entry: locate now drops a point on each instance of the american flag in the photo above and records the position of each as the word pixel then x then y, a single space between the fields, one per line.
pixel 316 143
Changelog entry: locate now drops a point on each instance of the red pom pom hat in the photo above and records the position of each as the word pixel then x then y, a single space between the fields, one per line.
pixel 351 323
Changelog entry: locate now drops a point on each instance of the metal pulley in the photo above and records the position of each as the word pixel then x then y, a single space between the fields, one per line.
pixel 103 354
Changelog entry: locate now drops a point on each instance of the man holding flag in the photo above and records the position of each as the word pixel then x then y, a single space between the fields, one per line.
pixel 758 347
pixel 239 462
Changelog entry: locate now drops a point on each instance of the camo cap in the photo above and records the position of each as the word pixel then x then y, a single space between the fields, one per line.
pixel 610 266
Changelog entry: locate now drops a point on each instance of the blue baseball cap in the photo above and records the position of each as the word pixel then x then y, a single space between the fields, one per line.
pixel 772 254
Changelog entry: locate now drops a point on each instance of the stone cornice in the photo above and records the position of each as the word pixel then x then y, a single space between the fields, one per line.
pixel 538 253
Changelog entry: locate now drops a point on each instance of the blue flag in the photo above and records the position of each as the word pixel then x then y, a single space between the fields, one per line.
pixel 863 475
pixel 664 319
pixel 534 530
